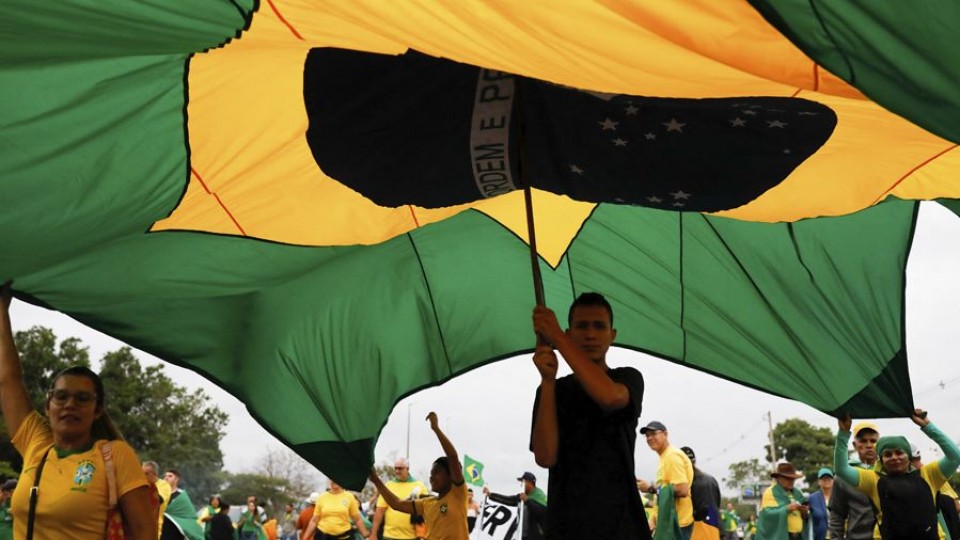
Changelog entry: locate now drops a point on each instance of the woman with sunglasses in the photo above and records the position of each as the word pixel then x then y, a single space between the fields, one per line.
pixel 72 498
pixel 904 495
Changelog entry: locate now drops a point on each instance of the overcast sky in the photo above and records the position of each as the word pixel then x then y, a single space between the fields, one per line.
pixel 486 412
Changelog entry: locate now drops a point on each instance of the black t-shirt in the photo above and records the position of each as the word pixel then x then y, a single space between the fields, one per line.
pixel 592 491
pixel 221 528
pixel 704 493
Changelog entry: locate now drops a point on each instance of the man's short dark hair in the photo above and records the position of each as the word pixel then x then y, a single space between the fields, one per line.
pixel 174 471
pixel 590 299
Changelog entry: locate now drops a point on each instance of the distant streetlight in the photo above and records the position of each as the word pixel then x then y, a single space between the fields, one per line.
pixel 407 455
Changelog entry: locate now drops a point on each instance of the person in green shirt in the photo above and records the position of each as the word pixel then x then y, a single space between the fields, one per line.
pixel 6 517
pixel 729 521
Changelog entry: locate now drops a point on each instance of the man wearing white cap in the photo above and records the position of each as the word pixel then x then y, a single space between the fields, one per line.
pixel 851 512
pixel 307 513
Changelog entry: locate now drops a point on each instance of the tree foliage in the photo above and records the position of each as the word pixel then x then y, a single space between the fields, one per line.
pixel 272 493
pixel 162 421
pixel 165 422
pixel 42 358
pixel 750 472
pixel 299 477
pixel 809 448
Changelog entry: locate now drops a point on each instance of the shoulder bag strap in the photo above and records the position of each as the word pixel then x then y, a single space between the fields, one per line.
pixel 34 493
pixel 107 450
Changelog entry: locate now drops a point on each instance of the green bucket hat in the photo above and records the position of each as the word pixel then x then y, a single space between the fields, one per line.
pixel 898 441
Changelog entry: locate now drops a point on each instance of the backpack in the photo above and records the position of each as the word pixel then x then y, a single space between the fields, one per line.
pixel 907 507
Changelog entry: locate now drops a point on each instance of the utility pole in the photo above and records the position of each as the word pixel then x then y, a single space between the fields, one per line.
pixel 407 455
pixel 773 450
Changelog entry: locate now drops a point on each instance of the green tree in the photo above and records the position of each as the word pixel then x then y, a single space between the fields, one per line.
pixel 747 473
pixel 163 422
pixel 41 358
pixel 809 448
pixel 166 423
pixel 272 493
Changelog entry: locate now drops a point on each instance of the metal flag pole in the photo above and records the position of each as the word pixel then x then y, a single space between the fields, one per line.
pixel 521 512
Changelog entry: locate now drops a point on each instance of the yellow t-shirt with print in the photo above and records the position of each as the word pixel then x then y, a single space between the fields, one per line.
pixel 397 524
pixel 335 510
pixel 794 518
pixel 675 468
pixel 72 500
pixel 446 517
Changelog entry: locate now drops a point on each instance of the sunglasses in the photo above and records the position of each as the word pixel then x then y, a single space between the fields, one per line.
pixel 61 397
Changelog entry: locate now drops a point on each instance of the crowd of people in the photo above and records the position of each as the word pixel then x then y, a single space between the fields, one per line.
pixel 584 431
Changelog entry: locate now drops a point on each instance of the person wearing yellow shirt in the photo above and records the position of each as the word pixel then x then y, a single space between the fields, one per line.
pixel 332 514
pixel 152 471
pixel 904 495
pixel 675 469
pixel 445 516
pixel 783 510
pixel 396 525
pixel 63 453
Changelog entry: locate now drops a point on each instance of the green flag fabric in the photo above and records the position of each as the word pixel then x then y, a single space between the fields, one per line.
pixel 144 193
pixel 181 512
pixel 772 522
pixel 894 52
pixel 761 304
pixel 472 471
pixel 668 526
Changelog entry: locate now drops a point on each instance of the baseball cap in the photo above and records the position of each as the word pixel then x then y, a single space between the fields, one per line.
pixel 9 485
pixel 824 472
pixel 653 426
pixel 689 452
pixel 914 451
pixel 312 499
pixel 528 476
pixel 862 426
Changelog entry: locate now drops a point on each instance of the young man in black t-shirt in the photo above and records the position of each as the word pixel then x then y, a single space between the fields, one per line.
pixel 584 426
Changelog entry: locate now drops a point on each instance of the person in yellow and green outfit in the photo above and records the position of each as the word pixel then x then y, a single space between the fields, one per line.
pixel 904 495
pixel 207 513
pixel 333 514
pixel 729 522
pixel 443 517
pixel 6 518
pixel 784 514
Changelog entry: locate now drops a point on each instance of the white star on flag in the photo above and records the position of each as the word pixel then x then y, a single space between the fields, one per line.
pixel 619 142
pixel 649 136
pixel 776 123
pixel 575 169
pixel 738 122
pixel 654 199
pixel 609 124
pixel 678 204
pixel 631 110
pixel 680 195
pixel 673 125
pixel 751 113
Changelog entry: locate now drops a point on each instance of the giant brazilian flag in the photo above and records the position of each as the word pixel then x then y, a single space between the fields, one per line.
pixel 321 196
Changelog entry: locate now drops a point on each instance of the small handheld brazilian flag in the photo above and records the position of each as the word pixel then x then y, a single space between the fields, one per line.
pixel 472 471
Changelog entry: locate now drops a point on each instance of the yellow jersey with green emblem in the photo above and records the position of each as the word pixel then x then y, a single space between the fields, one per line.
pixel 397 524
pixel 446 516
pixel 72 500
